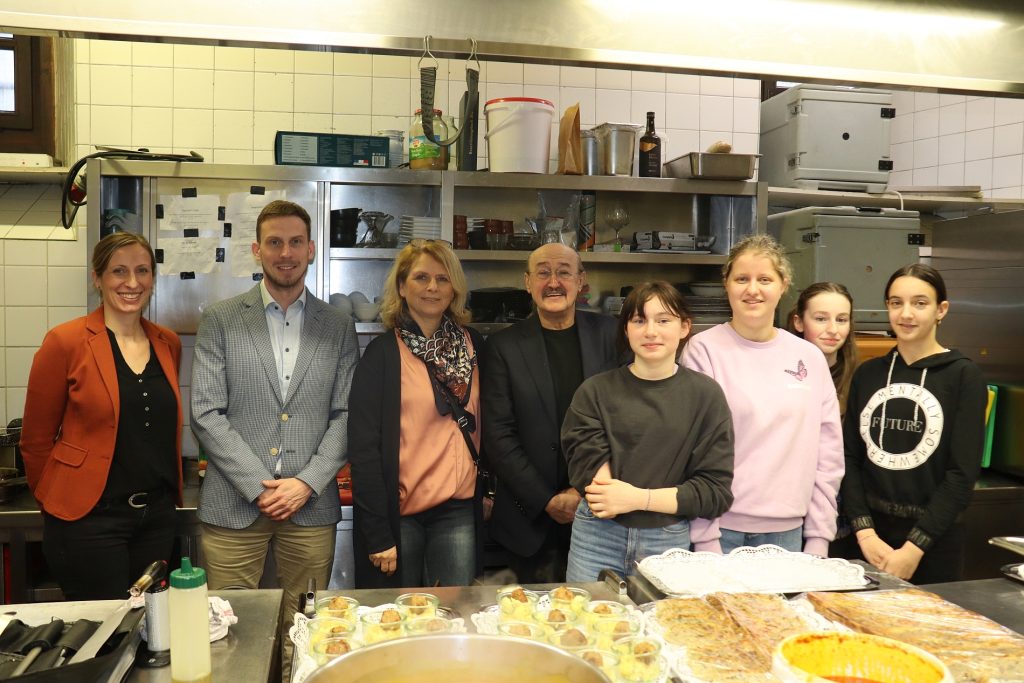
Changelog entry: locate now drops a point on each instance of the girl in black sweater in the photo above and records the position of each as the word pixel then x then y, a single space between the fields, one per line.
pixel 913 434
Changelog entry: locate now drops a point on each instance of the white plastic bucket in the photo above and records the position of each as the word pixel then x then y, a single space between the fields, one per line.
pixel 518 134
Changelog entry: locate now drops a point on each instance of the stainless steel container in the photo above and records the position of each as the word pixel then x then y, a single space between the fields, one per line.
pixel 590 147
pixel 712 166
pixel 458 657
pixel 618 144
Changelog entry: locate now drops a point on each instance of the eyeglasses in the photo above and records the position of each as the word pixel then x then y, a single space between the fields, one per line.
pixel 563 275
pixel 419 242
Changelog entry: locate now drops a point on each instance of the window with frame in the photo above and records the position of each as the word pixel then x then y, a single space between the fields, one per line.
pixel 26 94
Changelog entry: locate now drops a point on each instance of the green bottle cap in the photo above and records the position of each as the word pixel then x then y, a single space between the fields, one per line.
pixel 188 576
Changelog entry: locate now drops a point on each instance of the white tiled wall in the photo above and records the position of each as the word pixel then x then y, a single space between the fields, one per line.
pixel 227 103
pixel 957 140
pixel 42 284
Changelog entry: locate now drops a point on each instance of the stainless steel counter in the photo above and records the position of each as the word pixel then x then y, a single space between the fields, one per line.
pixel 1001 600
pixel 248 653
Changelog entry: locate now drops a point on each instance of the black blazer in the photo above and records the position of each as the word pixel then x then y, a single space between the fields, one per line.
pixel 521 430
pixel 374 424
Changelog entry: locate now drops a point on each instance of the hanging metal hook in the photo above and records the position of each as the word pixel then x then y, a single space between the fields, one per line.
pixel 426 52
pixel 473 57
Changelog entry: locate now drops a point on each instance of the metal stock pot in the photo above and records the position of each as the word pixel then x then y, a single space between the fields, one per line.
pixel 458 657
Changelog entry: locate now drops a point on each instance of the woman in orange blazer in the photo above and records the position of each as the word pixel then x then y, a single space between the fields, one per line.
pixel 101 436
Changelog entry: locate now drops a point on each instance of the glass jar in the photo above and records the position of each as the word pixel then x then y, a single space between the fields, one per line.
pixel 425 154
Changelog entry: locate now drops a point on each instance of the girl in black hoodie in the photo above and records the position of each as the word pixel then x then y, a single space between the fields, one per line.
pixel 913 434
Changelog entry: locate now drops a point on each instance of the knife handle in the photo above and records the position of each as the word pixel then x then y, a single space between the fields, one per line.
pixel 76 636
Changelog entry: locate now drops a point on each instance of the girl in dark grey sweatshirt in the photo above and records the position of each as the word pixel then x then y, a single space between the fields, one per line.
pixel 649 446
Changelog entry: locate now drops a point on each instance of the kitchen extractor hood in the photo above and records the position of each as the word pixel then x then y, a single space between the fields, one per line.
pixel 965 46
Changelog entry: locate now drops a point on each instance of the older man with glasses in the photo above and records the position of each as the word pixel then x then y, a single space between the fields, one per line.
pixel 533 370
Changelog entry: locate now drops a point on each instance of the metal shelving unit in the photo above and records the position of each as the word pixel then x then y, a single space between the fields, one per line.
pixel 622 258
pixel 925 203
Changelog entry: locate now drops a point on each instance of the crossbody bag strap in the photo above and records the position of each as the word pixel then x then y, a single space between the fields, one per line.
pixel 466 423
pixel 462 419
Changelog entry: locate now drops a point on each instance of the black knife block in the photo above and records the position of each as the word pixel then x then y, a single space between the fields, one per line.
pixel 117 655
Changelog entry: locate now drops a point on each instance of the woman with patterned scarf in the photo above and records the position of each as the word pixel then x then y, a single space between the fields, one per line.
pixel 416 492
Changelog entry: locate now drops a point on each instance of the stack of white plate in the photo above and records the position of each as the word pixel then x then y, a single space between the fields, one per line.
pixel 418 227
pixel 475 224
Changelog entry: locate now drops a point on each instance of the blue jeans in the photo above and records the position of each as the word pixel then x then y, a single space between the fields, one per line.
pixel 605 544
pixel 792 540
pixel 439 546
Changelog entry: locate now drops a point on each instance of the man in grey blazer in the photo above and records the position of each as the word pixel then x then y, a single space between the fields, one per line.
pixel 533 370
pixel 270 385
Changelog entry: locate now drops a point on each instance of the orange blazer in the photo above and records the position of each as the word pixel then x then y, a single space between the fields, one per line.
pixel 72 408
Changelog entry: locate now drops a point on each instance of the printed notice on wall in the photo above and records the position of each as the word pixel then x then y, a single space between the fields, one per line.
pixel 241 259
pixel 242 210
pixel 188 254
pixel 183 213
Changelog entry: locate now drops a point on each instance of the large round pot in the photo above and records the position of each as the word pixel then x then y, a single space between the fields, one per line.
pixel 458 657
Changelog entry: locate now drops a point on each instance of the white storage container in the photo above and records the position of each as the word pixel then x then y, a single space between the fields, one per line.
pixel 859 248
pixel 827 138
pixel 518 134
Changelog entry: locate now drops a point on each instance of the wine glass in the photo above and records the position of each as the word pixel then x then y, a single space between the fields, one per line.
pixel 617 217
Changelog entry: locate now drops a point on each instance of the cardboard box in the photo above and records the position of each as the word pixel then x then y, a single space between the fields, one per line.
pixel 330 149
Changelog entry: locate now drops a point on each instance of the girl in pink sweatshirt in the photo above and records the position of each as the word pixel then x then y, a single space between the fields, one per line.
pixel 789 446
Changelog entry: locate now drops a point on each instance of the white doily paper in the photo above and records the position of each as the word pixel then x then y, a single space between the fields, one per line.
pixel 765 569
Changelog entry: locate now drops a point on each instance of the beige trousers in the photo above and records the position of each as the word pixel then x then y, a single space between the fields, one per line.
pixel 234 558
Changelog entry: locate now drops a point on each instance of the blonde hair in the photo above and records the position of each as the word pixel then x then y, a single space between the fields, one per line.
pixel 761 245
pixel 392 303
pixel 105 248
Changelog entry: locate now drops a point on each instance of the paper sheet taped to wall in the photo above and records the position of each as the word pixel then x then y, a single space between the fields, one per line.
pixel 188 254
pixel 244 208
pixel 240 259
pixel 182 213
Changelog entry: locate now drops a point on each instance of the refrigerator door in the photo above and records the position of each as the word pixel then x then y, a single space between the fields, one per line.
pixel 181 296
pixel 856 248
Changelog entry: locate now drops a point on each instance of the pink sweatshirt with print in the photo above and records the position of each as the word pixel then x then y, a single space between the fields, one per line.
pixel 789 443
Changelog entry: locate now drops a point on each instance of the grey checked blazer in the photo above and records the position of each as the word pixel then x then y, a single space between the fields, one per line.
pixel 239 415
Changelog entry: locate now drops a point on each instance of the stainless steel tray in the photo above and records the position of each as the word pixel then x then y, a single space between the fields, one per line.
pixel 712 166
pixel 1010 572
pixel 1012 543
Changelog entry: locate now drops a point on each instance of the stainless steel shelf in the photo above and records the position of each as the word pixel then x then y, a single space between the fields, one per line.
pixel 50 175
pixel 483 328
pixel 793 197
pixel 600 183
pixel 622 258
pixel 404 176
pixel 270 172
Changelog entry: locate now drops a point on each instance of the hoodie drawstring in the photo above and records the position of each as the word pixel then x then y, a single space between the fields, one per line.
pixel 888 381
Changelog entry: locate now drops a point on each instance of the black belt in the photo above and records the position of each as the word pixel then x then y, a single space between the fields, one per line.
pixel 138 500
